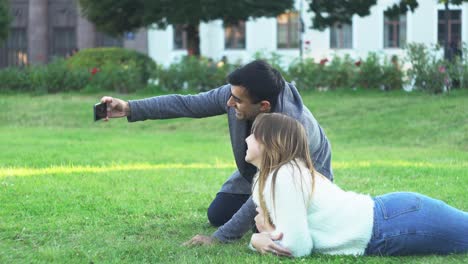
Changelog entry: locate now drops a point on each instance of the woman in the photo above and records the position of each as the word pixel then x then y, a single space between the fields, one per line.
pixel 308 213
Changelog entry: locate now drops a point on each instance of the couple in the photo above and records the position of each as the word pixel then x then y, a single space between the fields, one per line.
pixel 258 88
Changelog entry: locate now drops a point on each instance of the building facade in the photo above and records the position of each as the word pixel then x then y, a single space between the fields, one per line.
pixel 283 34
pixel 44 29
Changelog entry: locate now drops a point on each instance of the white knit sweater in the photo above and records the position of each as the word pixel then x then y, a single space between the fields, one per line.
pixel 332 222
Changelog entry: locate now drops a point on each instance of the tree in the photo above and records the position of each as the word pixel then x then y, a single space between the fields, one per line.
pixel 116 17
pixel 5 19
pixel 330 12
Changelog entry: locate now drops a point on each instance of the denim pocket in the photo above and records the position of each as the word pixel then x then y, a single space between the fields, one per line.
pixel 395 204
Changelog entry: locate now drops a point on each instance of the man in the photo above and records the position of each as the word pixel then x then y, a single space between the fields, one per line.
pixel 254 88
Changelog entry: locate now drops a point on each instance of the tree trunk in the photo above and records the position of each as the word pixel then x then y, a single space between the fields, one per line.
pixel 193 40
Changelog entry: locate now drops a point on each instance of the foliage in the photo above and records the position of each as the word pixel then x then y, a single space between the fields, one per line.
pixel 51 78
pixel 5 19
pixel 340 72
pixel 199 74
pixel 330 12
pixel 370 72
pixel 307 74
pixel 117 17
pixel 392 78
pixel 457 69
pixel 428 71
pixel 119 59
pixel 59 76
pixel 327 13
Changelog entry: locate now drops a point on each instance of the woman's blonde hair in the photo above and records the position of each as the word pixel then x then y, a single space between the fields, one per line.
pixel 284 140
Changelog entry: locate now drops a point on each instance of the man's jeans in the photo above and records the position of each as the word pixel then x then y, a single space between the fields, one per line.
pixel 411 223
pixel 224 206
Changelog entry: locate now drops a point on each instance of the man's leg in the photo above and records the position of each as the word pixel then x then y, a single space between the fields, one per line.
pixel 224 206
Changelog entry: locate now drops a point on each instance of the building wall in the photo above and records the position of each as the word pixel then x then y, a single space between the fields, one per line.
pixel 368 35
pixel 41 17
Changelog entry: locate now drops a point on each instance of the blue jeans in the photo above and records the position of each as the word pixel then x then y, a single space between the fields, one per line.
pixel 412 224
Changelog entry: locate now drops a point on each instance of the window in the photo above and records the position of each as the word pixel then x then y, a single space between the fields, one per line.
pixel 341 37
pixel 395 31
pixel 288 30
pixel 234 36
pixel 63 41
pixel 454 27
pixel 14 50
pixel 63 17
pixel 180 37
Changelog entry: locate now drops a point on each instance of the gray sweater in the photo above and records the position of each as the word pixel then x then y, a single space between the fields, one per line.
pixel 213 103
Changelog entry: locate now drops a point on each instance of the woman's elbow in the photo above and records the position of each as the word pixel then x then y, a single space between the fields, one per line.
pixel 299 248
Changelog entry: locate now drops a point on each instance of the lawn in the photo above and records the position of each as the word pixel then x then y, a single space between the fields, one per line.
pixel 75 191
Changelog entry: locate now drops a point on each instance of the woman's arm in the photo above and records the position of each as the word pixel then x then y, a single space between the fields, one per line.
pixel 289 215
pixel 261 223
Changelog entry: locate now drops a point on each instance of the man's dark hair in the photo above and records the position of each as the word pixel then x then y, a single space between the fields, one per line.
pixel 262 81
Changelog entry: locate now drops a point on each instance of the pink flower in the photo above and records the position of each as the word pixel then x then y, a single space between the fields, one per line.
pixel 94 71
pixel 441 69
pixel 323 61
pixel 358 63
pixel 307 42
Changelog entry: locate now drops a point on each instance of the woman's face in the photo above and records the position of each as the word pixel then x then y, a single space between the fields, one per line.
pixel 254 151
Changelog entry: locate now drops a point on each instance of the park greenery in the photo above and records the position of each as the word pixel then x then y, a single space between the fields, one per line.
pixel 125 71
pixel 75 191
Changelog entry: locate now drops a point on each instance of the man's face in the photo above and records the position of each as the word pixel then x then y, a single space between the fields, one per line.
pixel 245 108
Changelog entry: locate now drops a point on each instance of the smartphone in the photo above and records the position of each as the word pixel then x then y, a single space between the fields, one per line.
pixel 100 111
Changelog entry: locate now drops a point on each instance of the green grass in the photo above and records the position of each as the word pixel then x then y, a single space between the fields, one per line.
pixel 75 191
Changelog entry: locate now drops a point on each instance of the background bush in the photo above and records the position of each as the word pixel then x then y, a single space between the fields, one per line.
pixel 115 69
pixel 127 64
pixel 199 74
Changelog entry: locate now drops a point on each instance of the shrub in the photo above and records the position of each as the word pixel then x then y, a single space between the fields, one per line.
pixel 57 77
pixel 428 72
pixel 14 79
pixel 51 78
pixel 123 61
pixel 457 69
pixel 114 78
pixel 370 73
pixel 307 74
pixel 392 75
pixel 200 74
pixel 340 72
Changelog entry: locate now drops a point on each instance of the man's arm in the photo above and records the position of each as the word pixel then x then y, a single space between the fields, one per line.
pixel 205 104
pixel 241 222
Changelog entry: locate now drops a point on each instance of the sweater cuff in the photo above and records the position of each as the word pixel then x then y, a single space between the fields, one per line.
pixel 133 117
pixel 218 235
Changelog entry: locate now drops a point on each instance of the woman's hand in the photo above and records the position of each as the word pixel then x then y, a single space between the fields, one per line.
pixel 264 243
pixel 261 223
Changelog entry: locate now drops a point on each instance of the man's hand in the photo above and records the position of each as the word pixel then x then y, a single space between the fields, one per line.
pixel 263 243
pixel 261 223
pixel 115 107
pixel 200 240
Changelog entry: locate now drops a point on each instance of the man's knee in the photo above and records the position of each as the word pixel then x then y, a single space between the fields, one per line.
pixel 216 216
pixel 224 206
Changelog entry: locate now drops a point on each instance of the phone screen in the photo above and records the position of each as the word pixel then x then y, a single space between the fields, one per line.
pixel 100 111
